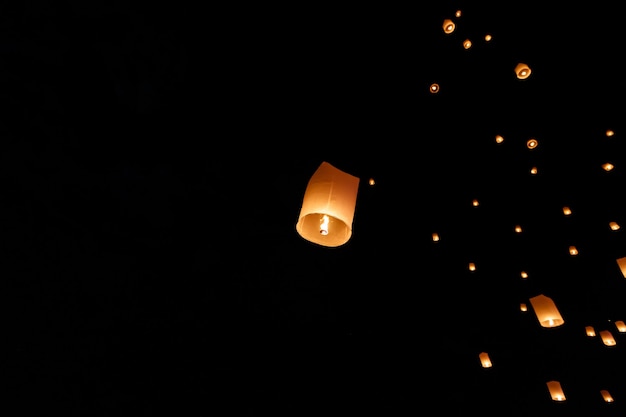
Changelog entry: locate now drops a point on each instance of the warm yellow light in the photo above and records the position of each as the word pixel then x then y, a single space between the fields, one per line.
pixel 467 44
pixel 532 143
pixel 499 139
pixel 475 202
pixel 458 13
pixel 609 132
pixel 590 331
pixel 523 307
pixel 556 392
pixel 524 274
pixel 372 182
pixel 522 71
pixel 606 396
pixel 567 211
pixel 518 229
pixel 435 237
pixel 485 361
pixel 487 37
pixel 434 88
pixel 614 225
pixel 621 326
pixel 328 207
pixel 472 266
pixel 573 251
pixel 448 26
pixel 608 166
pixel 533 170
pixel 607 338
pixel 621 262
pixel 546 311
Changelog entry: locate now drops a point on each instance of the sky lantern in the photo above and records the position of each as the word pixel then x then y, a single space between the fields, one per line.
pixel 328 207
pixel 621 326
pixel 590 331
pixel 607 338
pixel 621 262
pixel 485 361
pixel 448 26
pixel 606 396
pixel 546 311
pixel 434 88
pixel 556 392
pixel 614 226
pixel 522 71
pixel 573 251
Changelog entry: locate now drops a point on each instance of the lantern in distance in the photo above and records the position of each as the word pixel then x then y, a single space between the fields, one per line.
pixel 621 326
pixel 484 360
pixel 607 338
pixel 522 71
pixel 556 392
pixel 448 26
pixel 606 396
pixel 621 262
pixel 590 331
pixel 328 207
pixel 546 311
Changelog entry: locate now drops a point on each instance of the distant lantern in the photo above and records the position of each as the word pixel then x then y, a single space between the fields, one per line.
pixel 448 26
pixel 621 326
pixel 518 229
pixel 472 266
pixel 328 207
pixel 614 226
pixel 484 360
pixel 621 262
pixel 573 251
pixel 533 171
pixel 458 13
pixel 608 166
pixel 590 331
pixel 609 133
pixel 532 143
pixel 499 139
pixel 524 274
pixel 522 71
pixel 434 88
pixel 607 338
pixel 467 44
pixel 475 202
pixel 606 396
pixel 567 211
pixel 556 392
pixel 435 237
pixel 487 37
pixel 523 307
pixel 546 311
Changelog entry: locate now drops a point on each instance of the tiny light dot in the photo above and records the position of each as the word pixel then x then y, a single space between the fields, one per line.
pixel 372 182
pixel 533 170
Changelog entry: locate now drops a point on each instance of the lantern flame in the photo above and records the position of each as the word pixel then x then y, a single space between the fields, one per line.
pixel 324 225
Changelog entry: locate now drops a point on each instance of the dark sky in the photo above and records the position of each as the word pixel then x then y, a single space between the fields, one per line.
pixel 154 159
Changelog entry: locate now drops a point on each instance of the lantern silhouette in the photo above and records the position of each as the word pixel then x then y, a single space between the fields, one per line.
pixel 607 338
pixel 328 207
pixel 606 396
pixel 546 311
pixel 484 360
pixel 556 392
pixel 522 71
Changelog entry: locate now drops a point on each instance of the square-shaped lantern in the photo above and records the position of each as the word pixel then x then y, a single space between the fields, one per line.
pixel 328 207
pixel 546 311
pixel 556 391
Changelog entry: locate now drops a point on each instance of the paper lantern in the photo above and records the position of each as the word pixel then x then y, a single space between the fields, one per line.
pixel 573 251
pixel 607 338
pixel 608 166
pixel 523 307
pixel 621 262
pixel 606 396
pixel 434 88
pixel 621 326
pixel 532 143
pixel 590 331
pixel 522 71
pixel 499 138
pixel 614 225
pixel 546 311
pixel 567 211
pixel 484 360
pixel 328 207
pixel 448 26
pixel 435 237
pixel 467 44
pixel 556 392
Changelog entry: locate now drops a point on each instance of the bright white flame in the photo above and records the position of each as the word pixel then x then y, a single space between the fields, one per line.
pixel 324 225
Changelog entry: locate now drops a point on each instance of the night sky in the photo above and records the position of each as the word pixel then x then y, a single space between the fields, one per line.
pixel 155 157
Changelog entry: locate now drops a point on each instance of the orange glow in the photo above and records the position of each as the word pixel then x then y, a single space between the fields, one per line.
pixel 532 143
pixel 556 392
pixel 499 139
pixel 522 71
pixel 608 166
pixel 590 331
pixel 606 396
pixel 435 237
pixel 467 44
pixel 621 326
pixel 567 211
pixel 434 88
pixel 546 311
pixel 485 361
pixel 523 307
pixel 472 266
pixel 573 251
pixel 614 226
pixel 607 338
pixel 448 26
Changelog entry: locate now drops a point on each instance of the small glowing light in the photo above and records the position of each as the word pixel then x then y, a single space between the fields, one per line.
pixel 524 274
pixel 532 143
pixel 485 361
pixel 372 182
pixel 324 225
pixel 590 331
pixel 434 88
pixel 614 226
pixel 606 396
pixel 435 237
pixel 609 132
pixel 467 44
pixel 518 229
pixel 573 251
pixel 533 170
pixel 522 71
pixel 499 139
pixel 621 326
pixel 567 211
pixel 472 266
pixel 607 338
pixel 458 13
pixel 487 37
pixel 608 166
pixel 475 202
pixel 448 26
pixel 523 307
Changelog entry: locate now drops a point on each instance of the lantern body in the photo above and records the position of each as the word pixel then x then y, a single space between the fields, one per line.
pixel 546 311
pixel 621 262
pixel 522 71
pixel 591 332
pixel 556 392
pixel 448 26
pixel 606 396
pixel 484 360
pixel 607 338
pixel 621 326
pixel 328 207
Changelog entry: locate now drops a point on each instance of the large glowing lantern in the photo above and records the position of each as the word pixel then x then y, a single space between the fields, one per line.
pixel 621 262
pixel 546 311
pixel 522 71
pixel 591 332
pixel 607 338
pixel 328 207
pixel 621 326
pixel 484 360
pixel 606 396
pixel 556 392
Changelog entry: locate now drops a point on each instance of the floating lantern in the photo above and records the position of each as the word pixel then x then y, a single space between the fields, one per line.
pixel 567 211
pixel 573 251
pixel 607 338
pixel 499 139
pixel 546 311
pixel 606 396
pixel 621 262
pixel 608 166
pixel 524 274
pixel 435 237
pixel 523 307
pixel 590 331
pixel 556 392
pixel 434 88
pixel 448 26
pixel 614 226
pixel 522 71
pixel 328 207
pixel 467 44
pixel 472 266
pixel 532 143
pixel 621 326
pixel 484 360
